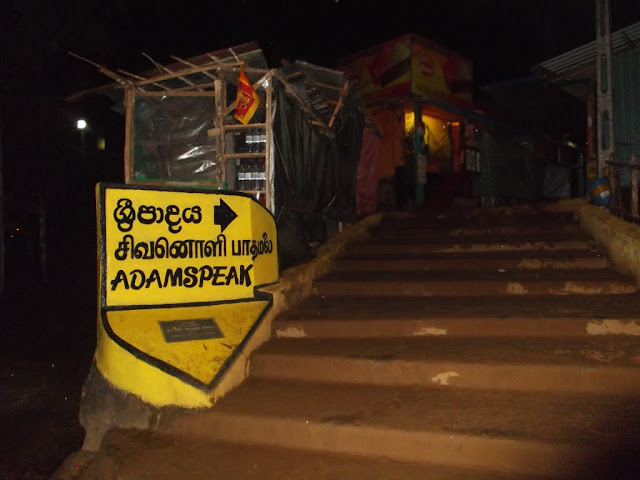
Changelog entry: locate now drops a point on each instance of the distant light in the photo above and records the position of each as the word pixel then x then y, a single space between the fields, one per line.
pixel 82 124
pixel 101 144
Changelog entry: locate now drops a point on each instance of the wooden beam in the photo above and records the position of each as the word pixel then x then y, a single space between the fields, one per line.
pixel 302 103
pixel 215 59
pixel 212 77
pixel 174 183
pixel 326 85
pixel 178 93
pixel 204 87
pixel 244 155
pixel 240 126
pixel 104 70
pixel 222 63
pixel 345 87
pixel 295 74
pixel 161 67
pixel 177 74
pixel 91 91
pixel 133 75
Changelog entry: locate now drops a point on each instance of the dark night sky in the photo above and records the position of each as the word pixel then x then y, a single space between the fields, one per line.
pixel 504 38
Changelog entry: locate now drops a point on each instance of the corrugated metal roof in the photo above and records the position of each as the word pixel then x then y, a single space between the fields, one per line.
pixel 581 61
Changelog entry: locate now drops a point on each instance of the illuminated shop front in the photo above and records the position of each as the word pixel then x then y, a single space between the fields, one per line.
pixel 411 77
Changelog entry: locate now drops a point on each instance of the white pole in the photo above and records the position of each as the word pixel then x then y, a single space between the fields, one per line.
pixel 604 102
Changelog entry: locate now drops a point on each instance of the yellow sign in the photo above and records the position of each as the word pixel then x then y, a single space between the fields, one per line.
pixel 440 75
pixel 179 247
pixel 383 73
pixel 178 277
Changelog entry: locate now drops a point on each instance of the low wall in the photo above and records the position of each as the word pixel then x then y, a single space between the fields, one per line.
pixel 618 239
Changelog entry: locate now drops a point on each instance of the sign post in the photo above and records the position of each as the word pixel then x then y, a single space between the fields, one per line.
pixel 179 273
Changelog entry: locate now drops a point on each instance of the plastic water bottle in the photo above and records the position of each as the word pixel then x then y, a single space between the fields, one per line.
pixel 242 176
pixel 263 177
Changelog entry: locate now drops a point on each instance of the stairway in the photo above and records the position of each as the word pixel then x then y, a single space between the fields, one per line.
pixel 485 346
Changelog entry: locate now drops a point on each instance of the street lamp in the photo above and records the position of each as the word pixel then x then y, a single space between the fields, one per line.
pixel 81 125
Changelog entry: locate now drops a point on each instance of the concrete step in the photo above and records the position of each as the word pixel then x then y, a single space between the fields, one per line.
pixel 533 306
pixel 600 365
pixel 134 455
pixel 481 219
pixel 494 281
pixel 543 434
pixel 507 260
pixel 508 315
pixel 457 235
pixel 418 247
pixel 473 231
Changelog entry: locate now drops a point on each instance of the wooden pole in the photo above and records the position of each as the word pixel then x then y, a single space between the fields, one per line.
pixel 634 186
pixel 267 150
pixel 162 68
pixel 102 69
pixel 139 77
pixel 343 92
pixel 181 60
pixel 129 100
pixel 218 121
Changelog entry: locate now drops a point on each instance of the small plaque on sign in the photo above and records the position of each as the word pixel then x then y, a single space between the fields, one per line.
pixel 187 330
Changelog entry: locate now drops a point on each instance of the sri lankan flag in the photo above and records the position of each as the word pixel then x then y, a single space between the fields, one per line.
pixel 247 100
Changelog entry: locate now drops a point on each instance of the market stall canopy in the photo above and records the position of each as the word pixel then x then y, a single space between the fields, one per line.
pixel 190 74
pixel 319 91
pixel 575 70
pixel 324 90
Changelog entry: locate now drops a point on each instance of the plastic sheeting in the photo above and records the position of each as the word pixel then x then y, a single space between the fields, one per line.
pixel 557 182
pixel 438 139
pixel 508 168
pixel 315 175
pixel 391 149
pixel 367 181
pixel 171 141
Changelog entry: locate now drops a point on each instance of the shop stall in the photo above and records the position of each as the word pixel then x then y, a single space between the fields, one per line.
pixel 412 85
pixel 291 137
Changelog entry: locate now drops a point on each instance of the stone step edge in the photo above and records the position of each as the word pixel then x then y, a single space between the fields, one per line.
pixel 528 457
pixel 572 378
pixel 463 232
pixel 372 246
pixel 259 458
pixel 353 263
pixel 470 288
pixel 514 326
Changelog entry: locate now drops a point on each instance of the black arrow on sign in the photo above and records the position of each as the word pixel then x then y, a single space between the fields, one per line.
pixel 223 215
